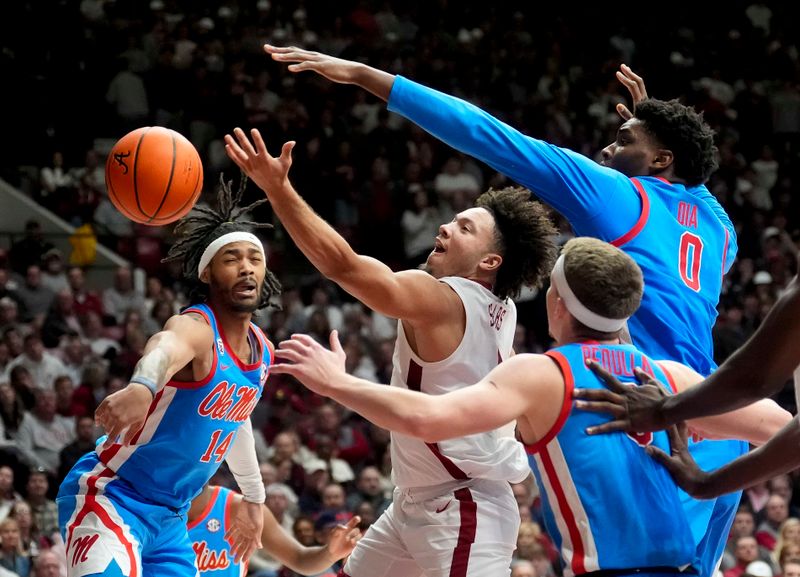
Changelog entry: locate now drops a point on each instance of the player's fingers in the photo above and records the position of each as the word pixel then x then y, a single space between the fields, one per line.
pixel 627 82
pixel 133 430
pixel 261 148
pixel 676 444
pixel 601 407
pixel 290 355
pixel 229 150
pixel 272 49
pixel 235 151
pixel 609 379
pixel 244 142
pixel 624 112
pixel 598 395
pixel 353 522
pixel 660 456
pixel 304 340
pixel 285 369
pixel 333 339
pixel 286 152
pixel 302 66
pixel 609 427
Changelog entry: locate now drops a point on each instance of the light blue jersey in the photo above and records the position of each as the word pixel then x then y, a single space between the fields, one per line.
pixel 207 533
pixel 680 236
pixel 582 479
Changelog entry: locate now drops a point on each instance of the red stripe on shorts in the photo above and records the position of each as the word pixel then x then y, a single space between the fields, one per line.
pixel 466 533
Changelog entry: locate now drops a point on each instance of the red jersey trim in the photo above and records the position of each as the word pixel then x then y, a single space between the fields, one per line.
pixel 645 214
pixel 566 406
pixel 662 179
pixel 210 505
pixel 725 252
pixel 231 353
pixel 670 379
pixel 205 380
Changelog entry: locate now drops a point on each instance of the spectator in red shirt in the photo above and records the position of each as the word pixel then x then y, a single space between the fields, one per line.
pixel 746 551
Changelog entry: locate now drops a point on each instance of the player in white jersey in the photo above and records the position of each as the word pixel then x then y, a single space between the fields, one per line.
pixel 453 512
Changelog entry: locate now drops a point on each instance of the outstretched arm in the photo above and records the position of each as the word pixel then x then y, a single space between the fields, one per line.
pixel 522 384
pixel 778 456
pixel 184 338
pixel 307 560
pixel 576 186
pixel 413 296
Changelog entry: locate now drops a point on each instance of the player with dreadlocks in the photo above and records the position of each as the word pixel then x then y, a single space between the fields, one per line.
pixel 122 508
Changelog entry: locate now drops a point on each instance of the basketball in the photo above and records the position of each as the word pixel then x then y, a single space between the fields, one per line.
pixel 154 175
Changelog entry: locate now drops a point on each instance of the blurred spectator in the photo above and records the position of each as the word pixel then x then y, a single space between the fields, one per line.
pixel 43 366
pixel 420 223
pixel 12 557
pixel 369 490
pixel 57 183
pixel 776 512
pixel 744 525
pixel 285 450
pixel 8 496
pixel 64 388
pixel 48 564
pixel 338 469
pixel 350 442
pixel 281 500
pixel 53 276
pixel 44 510
pixel 791 568
pixel 95 385
pixel 24 388
pixel 745 552
pixel 28 251
pixel 61 320
pixel 34 296
pixel 127 95
pixel 12 410
pixel 84 443
pixel 334 503
pixel 85 301
pixel 43 433
pixel 31 541
pixel 75 355
pixel 758 569
pixel 122 297
pixel 782 485
pixel 93 332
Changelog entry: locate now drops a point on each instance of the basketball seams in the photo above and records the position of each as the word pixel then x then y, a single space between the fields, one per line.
pixel 178 196
pixel 135 166
pixel 169 181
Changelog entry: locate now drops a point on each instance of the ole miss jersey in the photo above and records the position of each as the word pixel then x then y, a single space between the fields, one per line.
pixel 680 236
pixel 606 503
pixel 191 425
pixel 207 532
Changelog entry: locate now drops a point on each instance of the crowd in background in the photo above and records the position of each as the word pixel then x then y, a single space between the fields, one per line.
pixel 96 69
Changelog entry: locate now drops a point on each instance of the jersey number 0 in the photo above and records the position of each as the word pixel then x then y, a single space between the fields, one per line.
pixel 689 259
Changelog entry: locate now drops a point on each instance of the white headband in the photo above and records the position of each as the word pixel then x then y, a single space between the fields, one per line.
pixel 218 243
pixel 577 309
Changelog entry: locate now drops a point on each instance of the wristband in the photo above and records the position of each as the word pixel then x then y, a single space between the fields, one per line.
pixel 149 383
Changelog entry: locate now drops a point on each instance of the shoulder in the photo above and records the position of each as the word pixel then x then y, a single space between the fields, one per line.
pixel 679 374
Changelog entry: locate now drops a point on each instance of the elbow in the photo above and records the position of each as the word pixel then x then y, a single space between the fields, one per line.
pixel 426 427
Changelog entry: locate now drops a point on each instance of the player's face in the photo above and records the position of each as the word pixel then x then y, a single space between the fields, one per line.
pixel 633 152
pixel 236 275
pixel 462 244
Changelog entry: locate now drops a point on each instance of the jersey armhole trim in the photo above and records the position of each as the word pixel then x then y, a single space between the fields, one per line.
pixel 670 379
pixel 645 214
pixel 725 251
pixel 210 505
pixel 566 406
pixel 205 380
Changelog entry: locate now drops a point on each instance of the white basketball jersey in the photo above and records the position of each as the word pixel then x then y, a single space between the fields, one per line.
pixel 488 338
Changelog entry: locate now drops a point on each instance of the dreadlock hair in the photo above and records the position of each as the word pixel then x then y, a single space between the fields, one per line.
pixel 683 131
pixel 524 237
pixel 204 225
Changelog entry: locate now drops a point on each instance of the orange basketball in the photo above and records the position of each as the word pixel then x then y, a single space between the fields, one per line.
pixel 154 175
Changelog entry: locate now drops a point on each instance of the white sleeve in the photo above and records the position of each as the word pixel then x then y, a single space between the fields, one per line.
pixel 243 463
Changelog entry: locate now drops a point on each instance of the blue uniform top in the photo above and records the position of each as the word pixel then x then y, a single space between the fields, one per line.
pixel 207 535
pixel 607 504
pixel 680 236
pixel 191 425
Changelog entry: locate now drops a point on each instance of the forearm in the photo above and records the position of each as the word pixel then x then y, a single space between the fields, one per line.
pixel 152 370
pixel 375 81
pixel 308 560
pixel 759 369
pixel 243 463
pixel 393 408
pixel 778 456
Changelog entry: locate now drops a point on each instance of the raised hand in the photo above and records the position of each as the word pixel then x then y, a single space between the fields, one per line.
pixel 244 532
pixel 634 409
pixel 269 173
pixel 680 463
pixel 312 364
pixel 124 411
pixel 343 539
pixel 635 85
pixel 334 69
